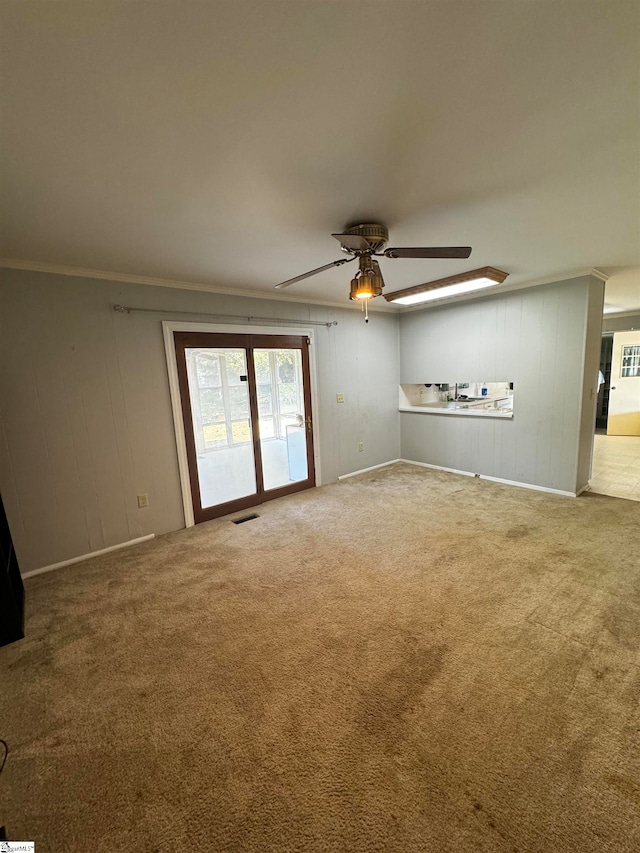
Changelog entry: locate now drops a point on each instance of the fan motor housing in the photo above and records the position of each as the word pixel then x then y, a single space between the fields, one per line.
pixel 376 235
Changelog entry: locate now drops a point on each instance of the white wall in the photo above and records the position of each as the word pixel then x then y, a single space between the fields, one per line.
pixel 535 338
pixel 612 323
pixel 85 415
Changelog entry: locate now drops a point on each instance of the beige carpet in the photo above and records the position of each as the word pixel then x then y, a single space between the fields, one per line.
pixel 405 662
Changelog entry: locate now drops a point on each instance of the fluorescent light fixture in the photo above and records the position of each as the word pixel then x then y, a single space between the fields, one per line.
pixel 453 285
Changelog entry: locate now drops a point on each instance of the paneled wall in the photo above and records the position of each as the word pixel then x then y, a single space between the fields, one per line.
pixel 536 338
pixel 590 368
pixel 85 415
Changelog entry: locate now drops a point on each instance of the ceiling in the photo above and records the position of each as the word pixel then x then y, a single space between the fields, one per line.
pixel 622 290
pixel 222 143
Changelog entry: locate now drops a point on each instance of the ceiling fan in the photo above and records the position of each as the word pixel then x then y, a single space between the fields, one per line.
pixel 367 242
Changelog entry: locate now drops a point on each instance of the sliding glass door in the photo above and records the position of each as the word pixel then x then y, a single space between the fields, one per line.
pixel 246 406
pixel 281 416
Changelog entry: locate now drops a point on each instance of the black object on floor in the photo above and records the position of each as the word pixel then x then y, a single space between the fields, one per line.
pixel 11 587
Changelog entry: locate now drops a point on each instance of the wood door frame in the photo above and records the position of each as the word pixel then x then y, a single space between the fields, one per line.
pixel 262 342
pixel 202 340
pixel 247 344
pixel 171 326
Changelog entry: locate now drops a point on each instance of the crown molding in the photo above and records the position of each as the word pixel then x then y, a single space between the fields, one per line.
pixel 630 312
pixel 383 306
pixel 129 278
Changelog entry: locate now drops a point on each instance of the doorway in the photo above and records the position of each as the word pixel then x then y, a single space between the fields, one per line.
pixel 624 391
pixel 604 383
pixel 246 414
pixel 616 449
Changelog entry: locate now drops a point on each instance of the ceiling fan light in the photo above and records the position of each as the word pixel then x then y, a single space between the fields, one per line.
pixel 361 288
pixel 367 283
pixel 451 286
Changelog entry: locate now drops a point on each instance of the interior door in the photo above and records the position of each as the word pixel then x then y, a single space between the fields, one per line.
pixel 246 407
pixel 624 391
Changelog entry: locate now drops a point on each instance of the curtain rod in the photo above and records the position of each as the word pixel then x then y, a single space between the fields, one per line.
pixel 266 321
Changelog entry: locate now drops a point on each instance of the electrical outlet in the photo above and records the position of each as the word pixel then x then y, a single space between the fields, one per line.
pixel 340 398
pixel 143 500
pixel 360 446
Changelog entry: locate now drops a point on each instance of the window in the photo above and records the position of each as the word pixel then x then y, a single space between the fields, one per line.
pixel 630 361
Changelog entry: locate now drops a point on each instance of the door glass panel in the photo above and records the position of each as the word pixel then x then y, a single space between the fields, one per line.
pixel 221 423
pixel 282 416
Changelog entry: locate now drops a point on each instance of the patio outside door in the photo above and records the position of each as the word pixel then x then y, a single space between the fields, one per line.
pixel 246 407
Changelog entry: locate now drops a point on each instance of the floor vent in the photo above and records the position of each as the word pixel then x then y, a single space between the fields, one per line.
pixel 246 518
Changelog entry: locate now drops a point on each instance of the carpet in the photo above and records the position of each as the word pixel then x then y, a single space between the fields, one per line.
pixel 403 662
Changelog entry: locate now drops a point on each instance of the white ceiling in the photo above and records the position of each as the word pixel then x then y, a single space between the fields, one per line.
pixel 222 143
pixel 622 290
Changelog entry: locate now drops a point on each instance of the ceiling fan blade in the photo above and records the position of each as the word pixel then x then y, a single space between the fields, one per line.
pixel 430 252
pixel 354 242
pixel 337 263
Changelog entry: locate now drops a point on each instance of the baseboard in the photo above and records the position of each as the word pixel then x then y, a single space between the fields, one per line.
pixel 70 562
pixel 494 479
pixel 437 467
pixel 372 468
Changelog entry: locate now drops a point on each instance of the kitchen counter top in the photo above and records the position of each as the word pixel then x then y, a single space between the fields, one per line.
pixel 480 407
